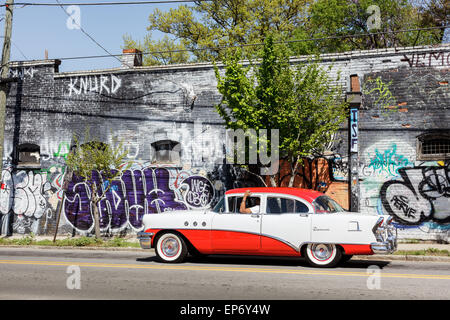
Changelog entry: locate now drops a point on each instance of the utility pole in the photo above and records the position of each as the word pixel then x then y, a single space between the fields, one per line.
pixel 354 100
pixel 4 75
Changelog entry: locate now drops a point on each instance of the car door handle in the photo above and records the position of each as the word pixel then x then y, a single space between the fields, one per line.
pixel 303 214
pixel 255 215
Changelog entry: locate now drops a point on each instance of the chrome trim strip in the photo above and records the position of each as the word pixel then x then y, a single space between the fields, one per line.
pixel 318 229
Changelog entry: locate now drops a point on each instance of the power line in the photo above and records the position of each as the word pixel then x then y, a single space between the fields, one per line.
pixel 255 44
pixel 104 3
pixel 87 34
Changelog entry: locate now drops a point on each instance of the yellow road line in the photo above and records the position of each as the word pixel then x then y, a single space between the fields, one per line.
pixel 229 269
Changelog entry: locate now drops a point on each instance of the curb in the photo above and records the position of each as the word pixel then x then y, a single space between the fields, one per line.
pixel 403 258
pixel 75 248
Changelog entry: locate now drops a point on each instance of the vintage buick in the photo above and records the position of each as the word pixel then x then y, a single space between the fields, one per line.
pixel 289 222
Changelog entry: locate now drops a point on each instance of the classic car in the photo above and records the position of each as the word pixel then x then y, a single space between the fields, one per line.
pixel 291 222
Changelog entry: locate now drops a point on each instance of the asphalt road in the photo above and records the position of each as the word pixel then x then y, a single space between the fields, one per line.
pixel 52 274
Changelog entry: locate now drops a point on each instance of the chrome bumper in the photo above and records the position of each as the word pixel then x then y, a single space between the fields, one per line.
pixel 386 240
pixel 145 239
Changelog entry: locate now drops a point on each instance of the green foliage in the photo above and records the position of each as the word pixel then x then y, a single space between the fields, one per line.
pixel 337 18
pixel 27 240
pixel 212 25
pixel 159 49
pixel 79 242
pixel 90 154
pixel 219 23
pixel 69 242
pixel 120 242
pixel 301 102
pixel 424 252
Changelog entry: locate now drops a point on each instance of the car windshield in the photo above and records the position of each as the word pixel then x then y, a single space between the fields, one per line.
pixel 325 204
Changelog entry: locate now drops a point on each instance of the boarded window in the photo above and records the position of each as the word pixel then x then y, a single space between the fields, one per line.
pixel 166 151
pixel 29 155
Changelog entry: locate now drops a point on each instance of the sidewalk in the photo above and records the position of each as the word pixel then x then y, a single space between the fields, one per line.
pixel 405 251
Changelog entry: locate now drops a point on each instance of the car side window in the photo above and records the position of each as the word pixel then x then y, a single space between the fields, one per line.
pixel 277 205
pixel 324 204
pixel 280 205
pixel 234 203
pixel 300 207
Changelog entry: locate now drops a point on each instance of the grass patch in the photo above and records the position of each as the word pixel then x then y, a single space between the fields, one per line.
pixel 71 242
pixel 409 241
pixel 426 252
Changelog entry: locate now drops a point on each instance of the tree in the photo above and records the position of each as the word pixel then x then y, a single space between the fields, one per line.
pixel 436 13
pixel 90 155
pixel 164 51
pixel 302 102
pixel 220 23
pixel 345 19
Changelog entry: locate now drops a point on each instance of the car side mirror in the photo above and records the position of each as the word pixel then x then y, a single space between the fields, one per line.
pixel 221 210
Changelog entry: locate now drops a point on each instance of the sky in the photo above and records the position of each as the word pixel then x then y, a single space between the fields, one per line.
pixel 36 29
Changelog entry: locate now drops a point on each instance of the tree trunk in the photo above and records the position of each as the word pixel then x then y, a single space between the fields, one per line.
pixel 293 174
pixel 96 222
pixel 95 200
pixel 273 183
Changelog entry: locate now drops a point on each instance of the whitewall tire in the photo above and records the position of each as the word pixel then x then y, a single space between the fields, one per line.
pixel 323 254
pixel 171 248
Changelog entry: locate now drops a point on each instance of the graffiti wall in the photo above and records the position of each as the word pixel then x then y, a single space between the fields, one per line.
pixel 24 201
pixel 136 192
pixel 30 201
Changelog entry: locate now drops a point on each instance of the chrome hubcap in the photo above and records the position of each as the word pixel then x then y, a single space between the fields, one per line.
pixel 170 247
pixel 322 251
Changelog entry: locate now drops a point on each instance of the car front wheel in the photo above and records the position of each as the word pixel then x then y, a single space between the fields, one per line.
pixel 171 248
pixel 323 255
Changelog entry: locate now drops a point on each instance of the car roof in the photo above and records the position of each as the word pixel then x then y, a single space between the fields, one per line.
pixel 306 194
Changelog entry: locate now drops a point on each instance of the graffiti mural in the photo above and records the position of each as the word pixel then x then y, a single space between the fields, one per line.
pixel 388 162
pixel 431 59
pixel 421 194
pixel 22 72
pixel 135 193
pixel 379 163
pixel 26 194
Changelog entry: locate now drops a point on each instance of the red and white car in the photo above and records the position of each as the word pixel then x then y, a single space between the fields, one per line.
pixel 291 222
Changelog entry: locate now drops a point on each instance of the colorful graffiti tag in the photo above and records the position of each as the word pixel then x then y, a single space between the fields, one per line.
pixel 388 162
pixel 135 193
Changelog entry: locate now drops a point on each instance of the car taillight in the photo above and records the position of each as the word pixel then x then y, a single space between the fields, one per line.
pixel 380 222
